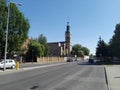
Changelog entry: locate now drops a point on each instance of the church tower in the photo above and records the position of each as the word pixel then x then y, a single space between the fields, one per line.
pixel 68 40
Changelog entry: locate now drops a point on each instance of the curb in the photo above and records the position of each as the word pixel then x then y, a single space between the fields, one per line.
pixel 43 66
pixel 27 68
pixel 106 78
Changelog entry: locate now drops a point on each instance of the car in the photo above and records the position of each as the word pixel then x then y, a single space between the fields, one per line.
pixel 9 63
pixel 91 60
pixel 70 60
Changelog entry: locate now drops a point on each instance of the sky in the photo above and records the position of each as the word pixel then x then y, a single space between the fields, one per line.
pixel 89 19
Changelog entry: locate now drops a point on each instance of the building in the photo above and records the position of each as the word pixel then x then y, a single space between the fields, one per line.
pixel 62 48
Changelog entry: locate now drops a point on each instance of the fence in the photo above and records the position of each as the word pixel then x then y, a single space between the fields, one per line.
pixel 50 59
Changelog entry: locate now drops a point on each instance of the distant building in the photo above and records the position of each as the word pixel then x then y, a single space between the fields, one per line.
pixel 62 48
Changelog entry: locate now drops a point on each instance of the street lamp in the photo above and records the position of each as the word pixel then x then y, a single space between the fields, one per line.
pixel 32 56
pixel 6 32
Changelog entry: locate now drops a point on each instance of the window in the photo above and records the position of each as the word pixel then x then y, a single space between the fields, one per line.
pixel 10 61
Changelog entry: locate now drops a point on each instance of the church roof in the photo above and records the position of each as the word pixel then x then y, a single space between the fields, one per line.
pixel 62 42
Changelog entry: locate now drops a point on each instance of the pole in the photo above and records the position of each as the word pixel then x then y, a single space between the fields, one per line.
pixel 32 56
pixel 6 37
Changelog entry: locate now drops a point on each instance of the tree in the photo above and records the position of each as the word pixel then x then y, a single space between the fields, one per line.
pixel 76 49
pixel 47 50
pixel 79 50
pixel 115 42
pixel 85 50
pixel 91 55
pixel 35 50
pixel 3 16
pixel 43 40
pixel 18 28
pixel 102 49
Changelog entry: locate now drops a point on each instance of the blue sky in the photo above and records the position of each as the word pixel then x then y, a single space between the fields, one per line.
pixel 88 19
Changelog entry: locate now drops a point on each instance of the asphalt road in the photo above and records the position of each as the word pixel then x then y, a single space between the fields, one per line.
pixel 71 76
pixel 25 65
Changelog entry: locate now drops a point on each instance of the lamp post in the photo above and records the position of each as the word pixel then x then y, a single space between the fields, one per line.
pixel 32 56
pixel 6 32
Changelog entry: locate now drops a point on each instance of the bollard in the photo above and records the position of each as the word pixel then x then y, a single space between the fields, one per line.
pixel 17 65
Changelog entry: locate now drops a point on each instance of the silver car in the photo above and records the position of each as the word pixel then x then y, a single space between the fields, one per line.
pixel 9 63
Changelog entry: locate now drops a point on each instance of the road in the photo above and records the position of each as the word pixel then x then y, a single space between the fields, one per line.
pixel 71 76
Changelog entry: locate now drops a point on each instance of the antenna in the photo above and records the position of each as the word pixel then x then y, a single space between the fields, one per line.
pixel 68 20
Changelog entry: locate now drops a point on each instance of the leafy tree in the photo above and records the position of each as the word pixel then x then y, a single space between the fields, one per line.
pixel 115 42
pixel 43 40
pixel 79 50
pixel 85 50
pixel 18 28
pixel 76 49
pixel 91 55
pixel 47 50
pixel 3 16
pixel 35 50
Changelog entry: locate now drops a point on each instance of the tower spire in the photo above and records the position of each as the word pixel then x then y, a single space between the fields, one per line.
pixel 68 28
pixel 68 40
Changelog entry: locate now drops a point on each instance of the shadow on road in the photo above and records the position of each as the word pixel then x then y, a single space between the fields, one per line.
pixel 87 63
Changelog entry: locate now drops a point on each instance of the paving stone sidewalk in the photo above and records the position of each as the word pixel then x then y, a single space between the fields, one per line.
pixel 113 76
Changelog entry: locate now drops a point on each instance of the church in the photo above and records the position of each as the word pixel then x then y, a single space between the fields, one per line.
pixel 62 48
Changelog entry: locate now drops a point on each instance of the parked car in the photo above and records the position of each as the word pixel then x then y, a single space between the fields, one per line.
pixel 9 63
pixel 91 60
pixel 70 60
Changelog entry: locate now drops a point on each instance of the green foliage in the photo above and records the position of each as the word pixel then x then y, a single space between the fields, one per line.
pixel 3 16
pixel 17 31
pixel 85 50
pixel 91 56
pixel 115 42
pixel 80 51
pixel 102 49
pixel 35 50
pixel 111 49
pixel 76 49
pixel 43 40
pixel 47 50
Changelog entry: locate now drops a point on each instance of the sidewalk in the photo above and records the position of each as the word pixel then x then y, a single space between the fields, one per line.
pixel 113 77
pixel 36 65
